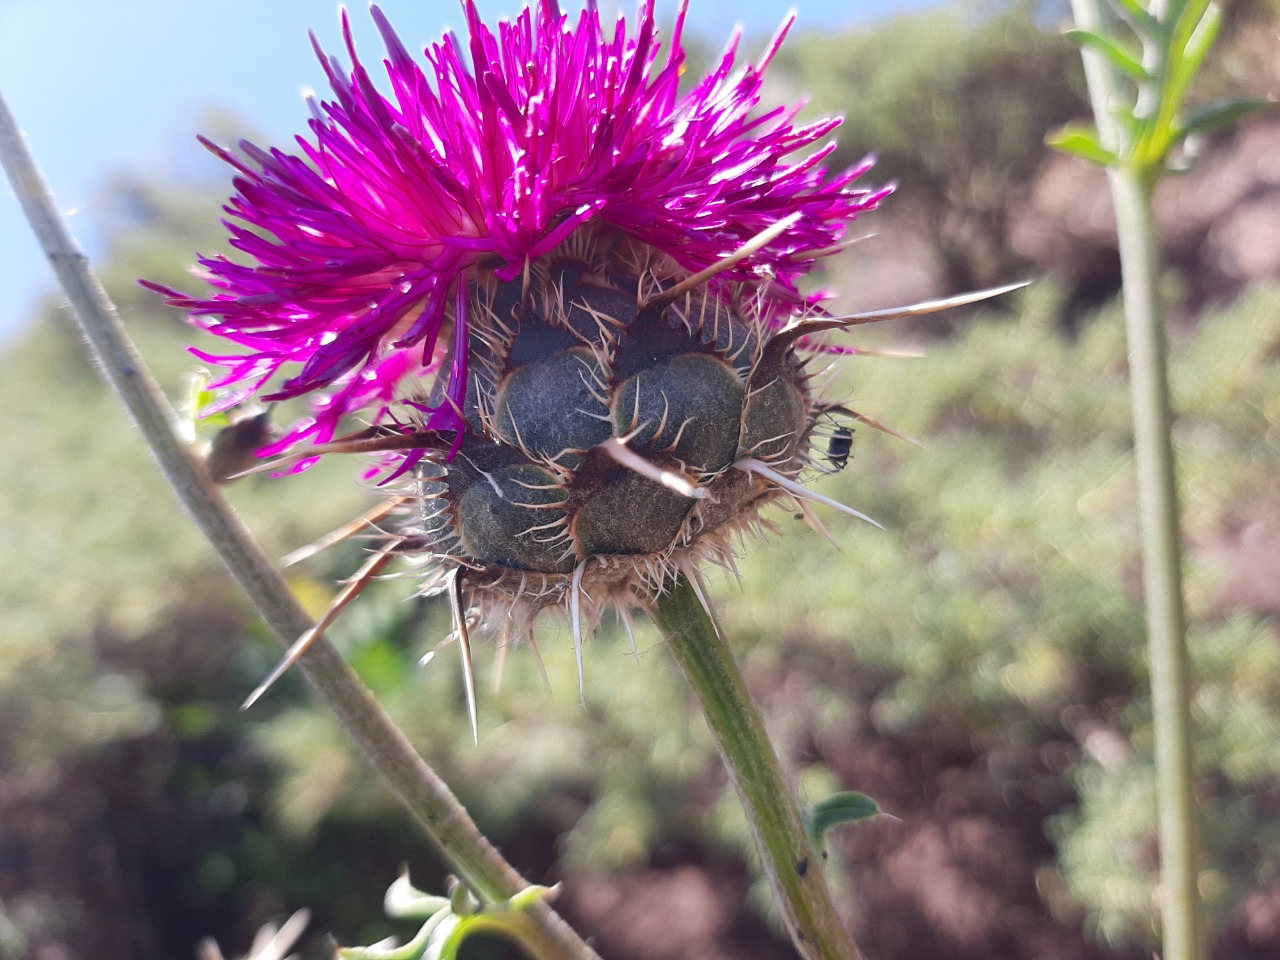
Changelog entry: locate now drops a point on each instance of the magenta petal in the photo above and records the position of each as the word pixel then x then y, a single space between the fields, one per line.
pixel 358 242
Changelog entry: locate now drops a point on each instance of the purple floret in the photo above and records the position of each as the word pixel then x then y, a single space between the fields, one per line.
pixel 356 246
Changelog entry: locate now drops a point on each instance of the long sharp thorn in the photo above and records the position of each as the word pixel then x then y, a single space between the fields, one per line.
pixel 348 593
pixel 891 354
pixel 751 465
pixel 500 661
pixel 925 306
pixel 399 441
pixel 430 655
pixel 811 518
pixel 700 591
pixel 625 616
pixel 754 245
pixel 875 424
pixel 542 664
pixel 837 247
pixel 464 644
pixel 671 479
pixel 345 532
pixel 817 324
pixel 575 615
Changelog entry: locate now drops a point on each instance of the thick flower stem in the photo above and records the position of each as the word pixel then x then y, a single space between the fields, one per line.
pixel 794 868
pixel 1132 188
pixel 377 739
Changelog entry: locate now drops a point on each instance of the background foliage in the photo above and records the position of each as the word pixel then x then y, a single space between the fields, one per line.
pixel 977 667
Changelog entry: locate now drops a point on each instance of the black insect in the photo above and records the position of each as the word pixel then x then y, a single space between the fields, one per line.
pixel 839 446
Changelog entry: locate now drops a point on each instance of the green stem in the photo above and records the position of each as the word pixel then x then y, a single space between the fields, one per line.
pixel 1132 188
pixel 794 869
pixel 378 740
pixel 1162 572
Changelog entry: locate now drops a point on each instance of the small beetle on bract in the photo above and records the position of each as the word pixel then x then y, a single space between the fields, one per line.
pixel 839 447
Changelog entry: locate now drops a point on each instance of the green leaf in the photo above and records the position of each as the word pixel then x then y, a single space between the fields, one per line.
pixel 1083 142
pixel 198 397
pixel 1188 34
pixel 846 807
pixel 1136 14
pixel 463 902
pixel 531 895
pixel 1215 116
pixel 404 900
pixel 450 921
pixel 415 949
pixel 1126 60
pixel 1186 62
pixel 509 920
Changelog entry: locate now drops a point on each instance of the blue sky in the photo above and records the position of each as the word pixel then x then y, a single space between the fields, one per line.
pixel 101 87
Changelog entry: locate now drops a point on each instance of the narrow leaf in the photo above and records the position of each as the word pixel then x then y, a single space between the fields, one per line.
pixel 509 921
pixel 846 807
pixel 1186 62
pixel 404 900
pixel 1128 61
pixel 1178 10
pixel 1083 142
pixel 533 894
pixel 1215 116
pixel 1136 15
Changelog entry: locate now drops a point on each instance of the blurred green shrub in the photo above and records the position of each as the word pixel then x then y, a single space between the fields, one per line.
pixel 955 108
pixel 1003 605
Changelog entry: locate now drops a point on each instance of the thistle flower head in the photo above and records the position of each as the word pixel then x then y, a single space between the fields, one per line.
pixel 564 292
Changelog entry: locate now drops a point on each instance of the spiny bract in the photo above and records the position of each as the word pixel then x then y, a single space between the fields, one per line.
pixel 618 428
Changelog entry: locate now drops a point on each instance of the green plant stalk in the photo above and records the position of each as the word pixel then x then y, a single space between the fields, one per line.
pixel 794 869
pixel 1162 571
pixel 427 797
pixel 1132 189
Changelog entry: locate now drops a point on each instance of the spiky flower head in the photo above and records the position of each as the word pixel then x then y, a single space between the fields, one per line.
pixel 564 293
